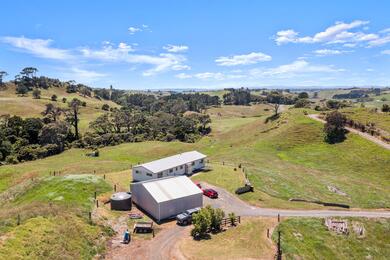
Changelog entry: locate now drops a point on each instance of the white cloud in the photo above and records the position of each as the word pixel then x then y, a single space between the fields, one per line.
pixel 210 75
pixel 386 52
pixel 82 75
pixel 337 33
pixel 175 48
pixel 329 52
pixel 183 76
pixel 38 47
pixel 244 59
pixel 293 69
pixel 162 62
pixel 133 30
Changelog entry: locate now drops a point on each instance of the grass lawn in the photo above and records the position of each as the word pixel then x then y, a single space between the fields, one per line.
pixel 247 240
pixel 308 238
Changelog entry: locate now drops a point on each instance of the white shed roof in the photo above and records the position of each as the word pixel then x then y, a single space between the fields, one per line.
pixel 170 188
pixel 173 161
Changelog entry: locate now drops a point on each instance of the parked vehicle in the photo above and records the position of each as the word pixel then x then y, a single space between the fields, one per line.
pixel 185 218
pixel 210 193
pixel 135 215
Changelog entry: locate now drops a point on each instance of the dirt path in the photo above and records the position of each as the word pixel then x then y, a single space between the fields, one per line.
pixel 229 203
pixel 352 130
pixel 163 246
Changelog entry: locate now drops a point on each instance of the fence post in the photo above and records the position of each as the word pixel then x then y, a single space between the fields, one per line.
pixel 90 217
pixel 104 176
pixel 115 187
pixel 97 203
pixel 95 195
pixel 18 221
pixel 278 217
pixel 267 232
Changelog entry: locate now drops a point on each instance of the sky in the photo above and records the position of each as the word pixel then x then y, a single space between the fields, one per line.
pixel 200 44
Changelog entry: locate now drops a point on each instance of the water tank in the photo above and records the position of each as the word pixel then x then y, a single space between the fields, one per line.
pixel 121 201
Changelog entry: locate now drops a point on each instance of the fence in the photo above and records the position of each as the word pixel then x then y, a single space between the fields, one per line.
pixel 230 221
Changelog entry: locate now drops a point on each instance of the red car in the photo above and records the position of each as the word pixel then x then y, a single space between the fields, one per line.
pixel 210 193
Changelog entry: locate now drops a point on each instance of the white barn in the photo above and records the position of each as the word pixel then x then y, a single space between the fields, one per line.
pixel 176 165
pixel 166 197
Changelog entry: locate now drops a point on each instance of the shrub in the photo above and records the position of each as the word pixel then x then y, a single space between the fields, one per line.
pixel 54 97
pixel 11 159
pixel 301 103
pixel 385 108
pixel 334 127
pixel 36 93
pixel 105 107
pixel 64 100
pixel 84 104
pixel 232 218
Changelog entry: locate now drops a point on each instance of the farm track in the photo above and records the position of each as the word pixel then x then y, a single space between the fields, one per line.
pixel 229 203
pixel 352 130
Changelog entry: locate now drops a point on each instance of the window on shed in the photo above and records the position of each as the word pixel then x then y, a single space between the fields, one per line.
pixel 193 163
pixel 159 175
pixel 201 161
pixel 149 174
pixel 136 171
pixel 170 170
pixel 181 167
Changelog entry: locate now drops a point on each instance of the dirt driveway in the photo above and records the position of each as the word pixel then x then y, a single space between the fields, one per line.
pixel 163 246
pixel 230 203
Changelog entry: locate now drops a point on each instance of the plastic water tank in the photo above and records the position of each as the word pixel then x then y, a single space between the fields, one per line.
pixel 121 201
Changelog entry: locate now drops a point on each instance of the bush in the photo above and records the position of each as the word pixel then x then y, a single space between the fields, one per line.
pixel 84 104
pixel 11 159
pixel 334 127
pixel 36 93
pixel 385 108
pixel 54 97
pixel 105 107
pixel 64 100
pixel 301 103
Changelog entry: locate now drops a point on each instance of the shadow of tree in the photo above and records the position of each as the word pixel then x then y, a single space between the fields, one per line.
pixel 272 118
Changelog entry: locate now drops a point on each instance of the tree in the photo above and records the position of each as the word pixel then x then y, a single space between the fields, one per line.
pixel 385 108
pixel 202 222
pixel 54 133
pixel 216 217
pixel 36 93
pixel 54 97
pixel 52 112
pixel 276 99
pixel 21 89
pixel 303 95
pixel 301 103
pixel 232 218
pixel 102 125
pixel 334 127
pixel 2 75
pixel 73 114
pixel 29 72
pixel 64 100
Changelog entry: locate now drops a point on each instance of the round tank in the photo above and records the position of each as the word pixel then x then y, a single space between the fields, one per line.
pixel 121 201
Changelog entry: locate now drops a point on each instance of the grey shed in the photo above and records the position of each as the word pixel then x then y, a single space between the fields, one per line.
pixel 166 197
pixel 121 201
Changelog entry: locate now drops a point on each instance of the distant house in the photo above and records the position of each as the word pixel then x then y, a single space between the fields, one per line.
pixel 176 165
pixel 166 197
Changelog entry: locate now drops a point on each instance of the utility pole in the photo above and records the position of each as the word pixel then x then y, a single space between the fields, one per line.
pixel 279 253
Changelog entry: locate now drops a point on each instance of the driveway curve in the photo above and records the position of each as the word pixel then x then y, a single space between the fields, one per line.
pixel 230 203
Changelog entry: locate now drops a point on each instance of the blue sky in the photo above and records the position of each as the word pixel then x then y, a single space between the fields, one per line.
pixel 199 44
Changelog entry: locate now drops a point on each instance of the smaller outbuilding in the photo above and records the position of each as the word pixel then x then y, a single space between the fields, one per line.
pixel 121 201
pixel 167 197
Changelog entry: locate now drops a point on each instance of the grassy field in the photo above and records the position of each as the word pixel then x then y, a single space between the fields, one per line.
pixel 246 241
pixel 59 230
pixel 310 239
pixel 27 106
pixel 367 115
pixel 280 157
